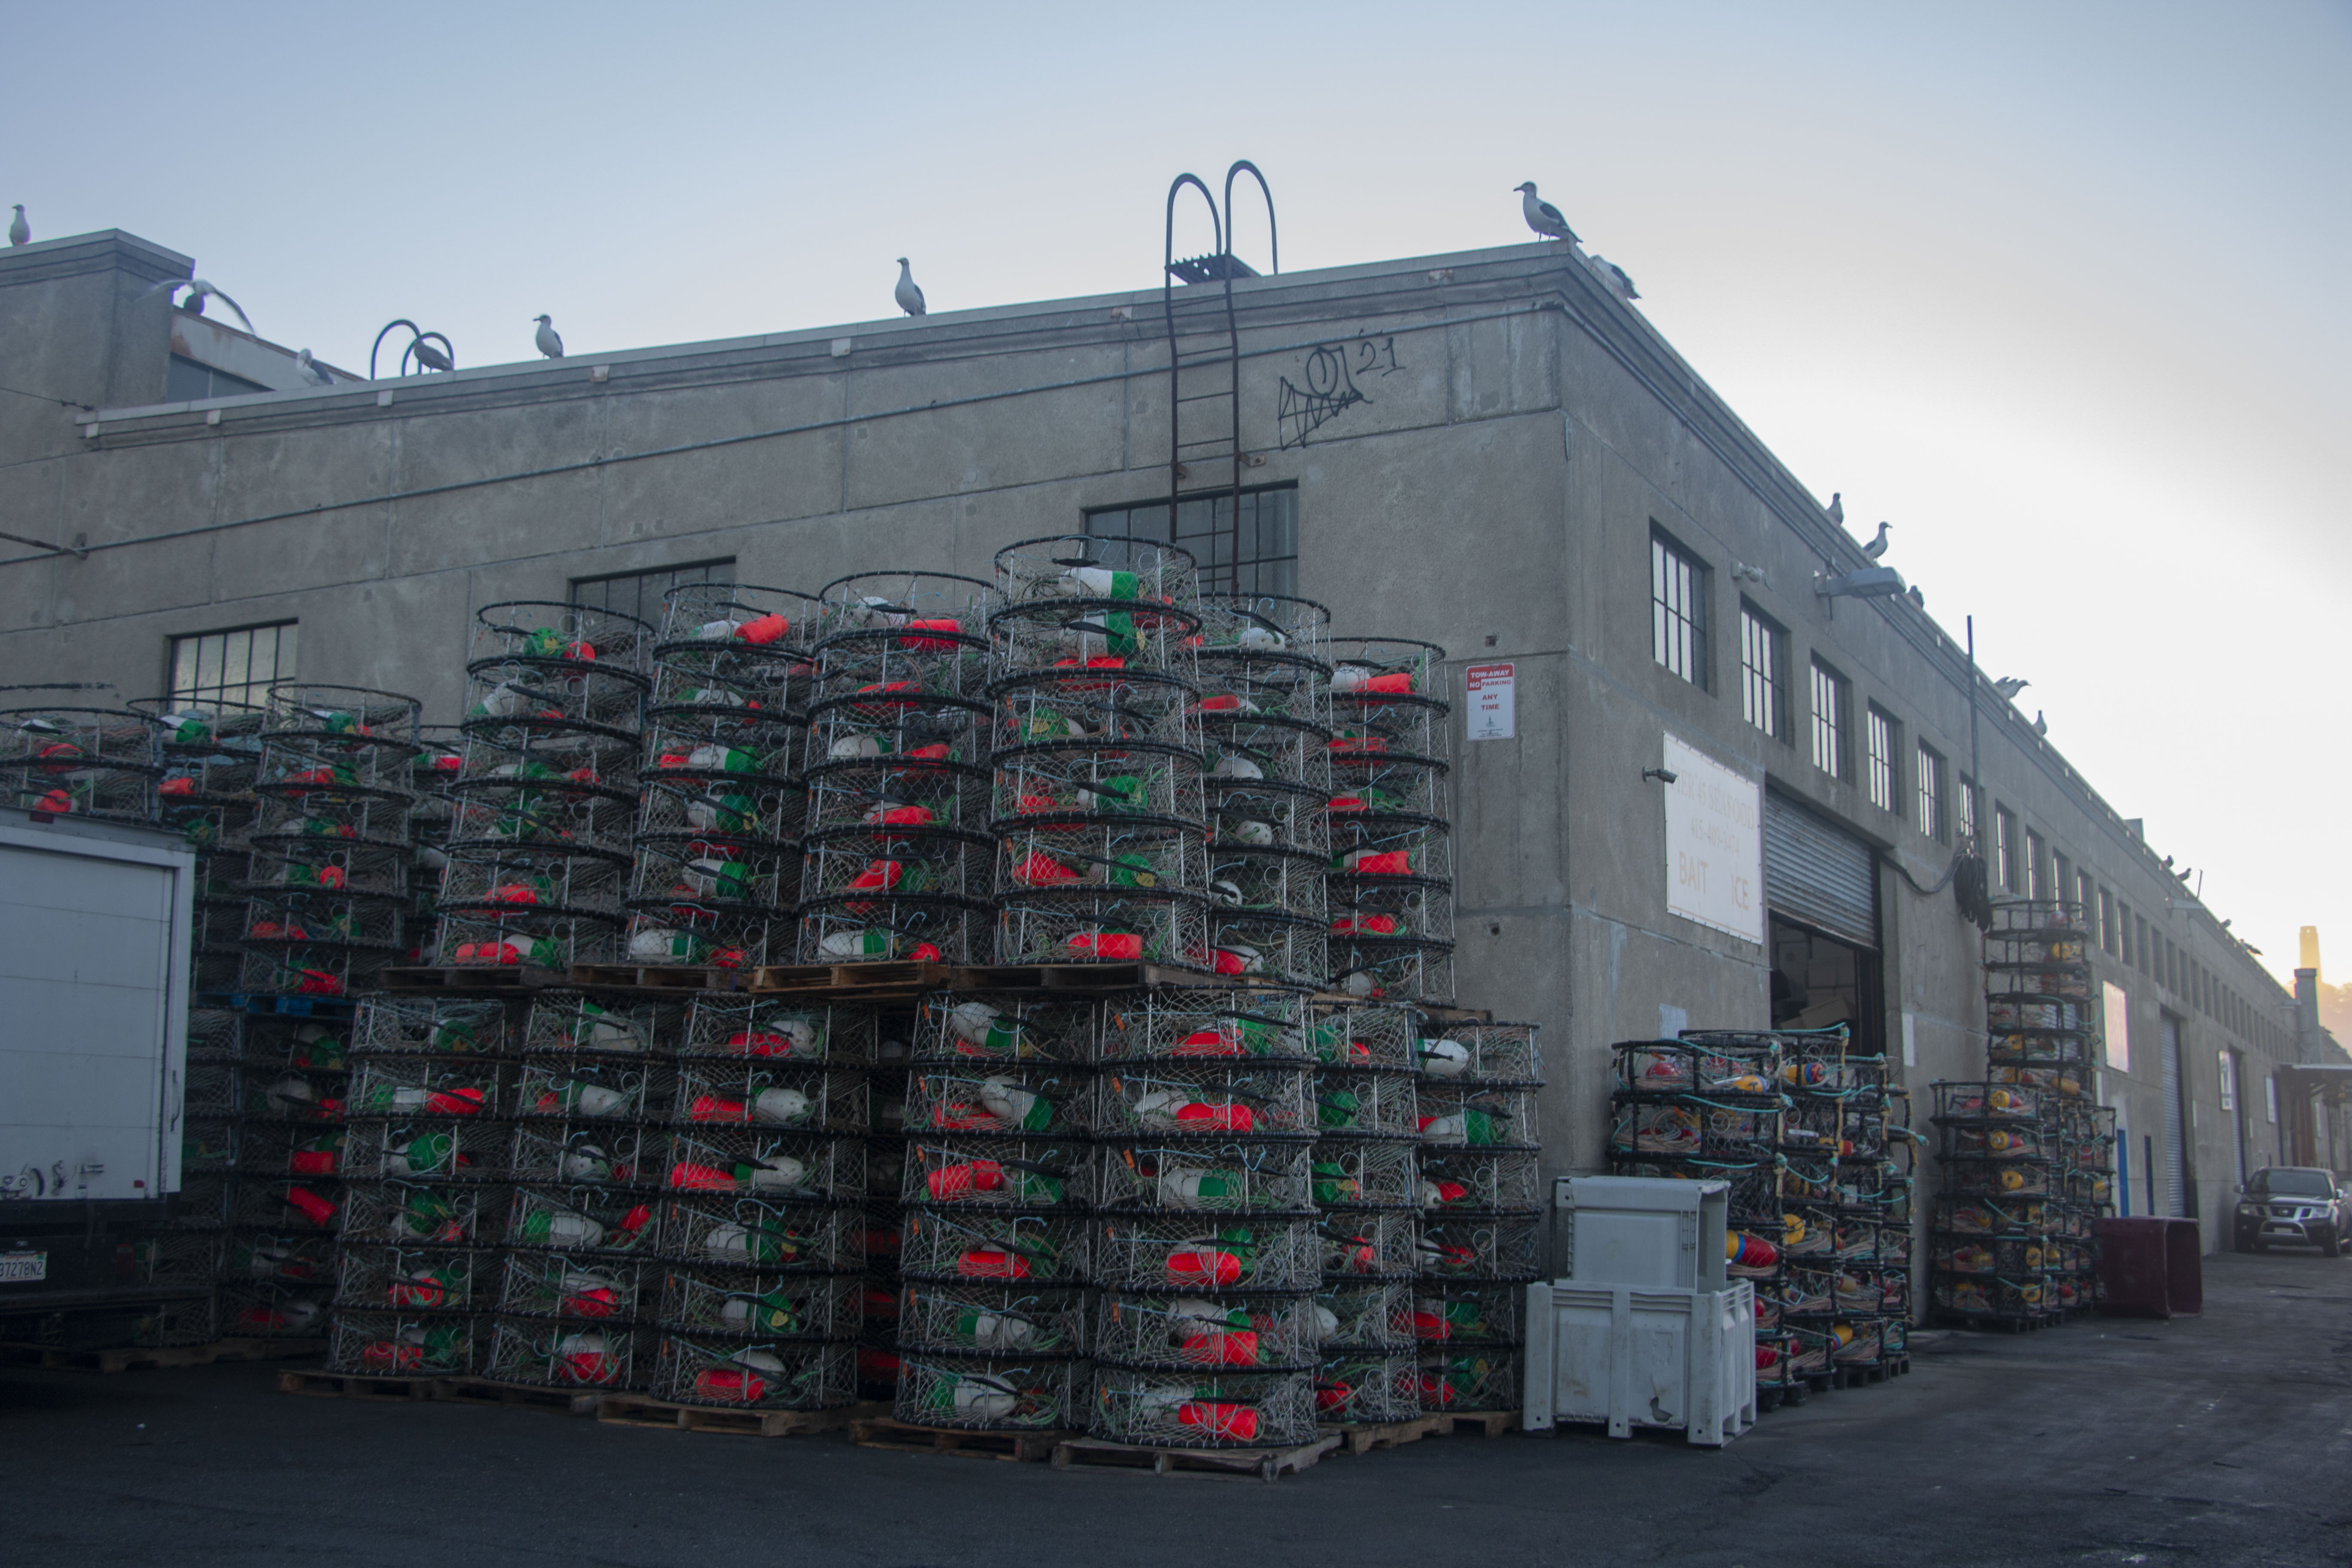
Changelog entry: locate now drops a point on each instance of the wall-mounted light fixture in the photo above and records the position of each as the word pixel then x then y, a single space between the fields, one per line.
pixel 1870 583
pixel 1664 775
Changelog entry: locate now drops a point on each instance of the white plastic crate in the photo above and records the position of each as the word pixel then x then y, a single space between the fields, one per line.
pixel 1645 1232
pixel 1682 1359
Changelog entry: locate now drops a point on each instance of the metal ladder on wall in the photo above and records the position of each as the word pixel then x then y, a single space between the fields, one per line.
pixel 1204 407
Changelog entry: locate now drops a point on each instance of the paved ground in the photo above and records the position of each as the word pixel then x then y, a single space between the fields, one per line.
pixel 2223 1439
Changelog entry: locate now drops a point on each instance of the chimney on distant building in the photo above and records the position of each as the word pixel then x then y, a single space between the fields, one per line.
pixel 2310 950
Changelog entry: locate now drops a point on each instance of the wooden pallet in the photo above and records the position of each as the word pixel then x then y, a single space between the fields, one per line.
pixel 906 1438
pixel 904 980
pixel 638 1410
pixel 450 1390
pixel 520 1396
pixel 1266 1464
pixel 123 1358
pixel 468 977
pixel 1485 1423
pixel 1363 1436
pixel 658 977
pixel 348 1385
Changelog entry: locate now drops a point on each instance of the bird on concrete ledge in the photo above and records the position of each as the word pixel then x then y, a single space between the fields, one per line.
pixel 1613 276
pixel 1836 508
pixel 549 343
pixel 910 298
pixel 2009 686
pixel 1542 216
pixel 1876 547
pixel 2040 725
pixel 312 373
pixel 20 232
pixel 1919 600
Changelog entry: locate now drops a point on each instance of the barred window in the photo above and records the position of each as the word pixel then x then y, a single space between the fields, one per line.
pixel 1969 809
pixel 1677 610
pixel 1935 814
pixel 1763 674
pixel 2004 849
pixel 2037 879
pixel 235 666
pixel 1257 553
pixel 639 593
pixel 1883 775
pixel 1829 728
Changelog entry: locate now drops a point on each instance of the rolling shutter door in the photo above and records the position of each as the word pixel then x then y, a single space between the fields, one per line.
pixel 1818 873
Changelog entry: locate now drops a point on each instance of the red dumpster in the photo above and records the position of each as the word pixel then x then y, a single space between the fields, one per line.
pixel 2150 1268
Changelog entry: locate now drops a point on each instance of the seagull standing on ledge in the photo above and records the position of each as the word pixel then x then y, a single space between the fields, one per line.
pixel 549 343
pixel 2040 725
pixel 1837 506
pixel 1613 276
pixel 910 298
pixel 20 232
pixel 1876 547
pixel 1542 216
pixel 312 373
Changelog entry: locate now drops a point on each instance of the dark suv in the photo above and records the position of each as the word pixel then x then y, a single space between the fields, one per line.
pixel 2298 1205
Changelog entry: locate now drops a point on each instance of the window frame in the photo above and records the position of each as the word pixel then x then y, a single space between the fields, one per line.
pixel 1882 771
pixel 1971 818
pixel 251 692
pixel 1756 627
pixel 650 613
pixel 1931 792
pixel 1692 618
pixel 1831 732
pixel 1215 576
pixel 2004 848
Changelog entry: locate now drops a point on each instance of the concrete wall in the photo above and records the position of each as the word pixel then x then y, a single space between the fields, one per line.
pixel 1519 432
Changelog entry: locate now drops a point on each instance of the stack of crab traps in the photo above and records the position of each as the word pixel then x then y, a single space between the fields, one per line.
pixel 1369 1193
pixel 2025 1153
pixel 211 758
pixel 1845 1194
pixel 1388 884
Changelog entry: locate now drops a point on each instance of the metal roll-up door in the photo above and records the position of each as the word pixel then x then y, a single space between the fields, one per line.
pixel 1817 873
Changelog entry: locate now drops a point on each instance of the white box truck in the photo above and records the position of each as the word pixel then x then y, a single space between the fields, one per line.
pixel 95 926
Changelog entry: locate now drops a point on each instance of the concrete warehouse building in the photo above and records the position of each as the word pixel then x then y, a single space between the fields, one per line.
pixel 1489 450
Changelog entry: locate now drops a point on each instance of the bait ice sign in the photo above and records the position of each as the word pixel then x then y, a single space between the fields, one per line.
pixel 1714 844
pixel 1494 701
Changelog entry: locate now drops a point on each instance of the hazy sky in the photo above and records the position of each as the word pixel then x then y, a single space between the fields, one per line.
pixel 2059 290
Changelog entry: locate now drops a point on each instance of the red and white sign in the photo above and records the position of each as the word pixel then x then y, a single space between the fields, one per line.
pixel 1493 702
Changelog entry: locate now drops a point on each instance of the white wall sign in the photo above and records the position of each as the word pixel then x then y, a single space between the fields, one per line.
pixel 2270 1096
pixel 1910 1039
pixel 1494 701
pixel 2118 1027
pixel 2229 1082
pixel 1672 1021
pixel 1714 844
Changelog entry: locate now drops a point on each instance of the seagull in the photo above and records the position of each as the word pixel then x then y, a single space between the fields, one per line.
pixel 1614 277
pixel 2009 686
pixel 20 232
pixel 198 292
pixel 1919 600
pixel 311 371
pixel 2182 875
pixel 1542 216
pixel 549 343
pixel 2040 725
pixel 432 358
pixel 1837 506
pixel 910 298
pixel 1876 547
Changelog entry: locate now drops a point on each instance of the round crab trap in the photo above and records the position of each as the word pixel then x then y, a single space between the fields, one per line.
pixel 543 668
pixel 89 762
pixel 735 818
pixel 1470 1381
pixel 763 1233
pixel 1170 1253
pixel 752 1305
pixel 927 627
pixel 1389 891
pixel 1368 1173
pixel 764 1373
pixel 404 1345
pixel 962 1172
pixel 870 896
pixel 417 1278
pixel 1259 1333
pixel 570 1356
pixel 706 901
pixel 989 1393
pixel 1024 1250
pixel 1484 1246
pixel 1353 1388
pixel 1206 1176
pixel 1079 602
pixel 338 738
pixel 326 865
pixel 1111 922
pixel 1013 1100
pixel 1203 1409
pixel 316 943
pixel 1205 1024
pixel 735 645
pixel 1366 1316
pixel 494 937
pixel 973 1319
pixel 1474 1181
pixel 1207 1098
pixel 1454 1313
pixel 577 800
pixel 1365 1105
pixel 970 1028
pixel 723 1028
pixel 1368 1244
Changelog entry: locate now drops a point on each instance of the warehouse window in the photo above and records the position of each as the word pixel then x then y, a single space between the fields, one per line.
pixel 639 593
pixel 2147 958
pixel 235 666
pixel 2107 924
pixel 1934 812
pixel 1763 674
pixel 1969 809
pixel 1884 776
pixel 192 381
pixel 1677 610
pixel 2004 848
pixel 2037 879
pixel 2123 948
pixel 1829 728
pixel 1257 555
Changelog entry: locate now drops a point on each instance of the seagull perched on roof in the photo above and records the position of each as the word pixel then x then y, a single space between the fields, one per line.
pixel 20 232
pixel 1836 508
pixel 311 372
pixel 1542 216
pixel 2009 686
pixel 549 343
pixel 1614 277
pixel 910 298
pixel 1876 547
pixel 432 358
pixel 2040 725
pixel 198 292
pixel 1919 600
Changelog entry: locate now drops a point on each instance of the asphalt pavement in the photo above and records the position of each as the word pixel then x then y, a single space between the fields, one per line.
pixel 2220 1439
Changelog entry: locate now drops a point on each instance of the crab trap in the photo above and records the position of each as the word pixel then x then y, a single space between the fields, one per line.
pixel 1367 1316
pixel 557 1354
pixel 1014 1100
pixel 602 1290
pixel 412 1343
pixel 89 762
pixel 991 1393
pixel 583 1218
pixel 1208 1176
pixel 1350 1105
pixel 972 1318
pixel 972 1171
pixel 411 1088
pixel 770 1233
pixel 1203 1409
pixel 1153 1252
pixel 910 624
pixel 1351 1388
pixel 1206 1098
pixel 574 799
pixel 1367 1244
pixel 400 1026
pixel 1261 1333
pixel 1481 1246
pixel 756 1030
pixel 425 1147
pixel 1466 1312
pixel 417 1278
pixel 414 1214
pixel 787 1167
pixel 755 1093
pixel 971 1029
pixel 1023 1249
pixel 1367 1174
pixel 1204 1024
pixel 542 668
pixel 765 1374
pixel 735 645
pixel 1479 1181
pixel 1478 1117
pixel 318 943
pixel 1470 1380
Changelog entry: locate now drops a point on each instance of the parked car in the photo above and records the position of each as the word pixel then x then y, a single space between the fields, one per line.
pixel 2299 1206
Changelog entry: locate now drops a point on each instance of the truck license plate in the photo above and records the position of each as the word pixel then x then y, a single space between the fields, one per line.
pixel 21 1268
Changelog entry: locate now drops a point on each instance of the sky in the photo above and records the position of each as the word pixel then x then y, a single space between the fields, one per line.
pixel 2058 290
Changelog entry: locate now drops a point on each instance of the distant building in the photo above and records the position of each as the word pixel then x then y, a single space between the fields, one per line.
pixel 1489 450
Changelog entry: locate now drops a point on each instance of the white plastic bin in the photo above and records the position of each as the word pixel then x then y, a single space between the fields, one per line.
pixel 1682 1359
pixel 1642 1231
